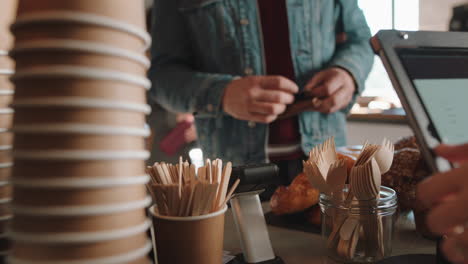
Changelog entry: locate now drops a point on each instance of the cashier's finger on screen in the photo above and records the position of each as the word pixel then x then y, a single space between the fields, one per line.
pixel 446 217
pixel 437 188
pixel 453 153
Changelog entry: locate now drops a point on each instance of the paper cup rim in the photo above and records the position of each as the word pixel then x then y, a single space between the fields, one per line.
pixel 6 217
pixel 42 17
pixel 5 200
pixel 7 92
pixel 6 111
pixel 80 128
pixel 66 211
pixel 79 183
pixel 6 72
pixel 119 259
pixel 80 102
pixel 80 237
pixel 186 218
pixel 6 165
pixel 6 147
pixel 79 155
pixel 79 46
pixel 94 73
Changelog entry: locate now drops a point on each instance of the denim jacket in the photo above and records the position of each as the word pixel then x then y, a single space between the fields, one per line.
pixel 199 46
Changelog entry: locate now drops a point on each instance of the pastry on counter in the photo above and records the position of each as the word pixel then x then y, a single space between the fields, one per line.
pixel 295 198
pixel 407 170
pixel 300 195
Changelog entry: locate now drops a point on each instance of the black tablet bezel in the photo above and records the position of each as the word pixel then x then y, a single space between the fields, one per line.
pixel 386 44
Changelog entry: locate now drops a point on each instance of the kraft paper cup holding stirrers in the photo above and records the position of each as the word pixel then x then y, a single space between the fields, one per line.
pixel 82 53
pixel 188 218
pixel 74 81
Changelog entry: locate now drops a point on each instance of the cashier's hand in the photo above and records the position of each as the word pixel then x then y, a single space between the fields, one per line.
pixel 446 195
pixel 335 86
pixel 258 98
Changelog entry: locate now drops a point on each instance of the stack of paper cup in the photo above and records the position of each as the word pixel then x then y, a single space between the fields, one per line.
pixel 7 13
pixel 79 175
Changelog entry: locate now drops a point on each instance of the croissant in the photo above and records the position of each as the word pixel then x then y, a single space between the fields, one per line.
pixel 300 195
pixel 295 198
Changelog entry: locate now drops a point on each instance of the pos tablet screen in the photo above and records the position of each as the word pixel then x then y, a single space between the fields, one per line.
pixel 430 73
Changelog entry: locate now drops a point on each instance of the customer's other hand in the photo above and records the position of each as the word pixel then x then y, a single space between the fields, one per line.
pixel 258 98
pixel 446 194
pixel 335 86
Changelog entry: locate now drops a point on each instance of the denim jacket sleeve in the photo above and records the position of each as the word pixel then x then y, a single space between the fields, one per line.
pixel 355 55
pixel 176 85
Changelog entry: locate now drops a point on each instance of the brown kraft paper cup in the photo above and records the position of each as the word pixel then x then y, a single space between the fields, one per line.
pixel 101 89
pixel 47 57
pixel 6 119
pixel 111 117
pixel 5 172
pixel 78 169
pixel 7 14
pixel 83 251
pixel 79 197
pixel 6 156
pixel 6 138
pixel 5 84
pixel 6 63
pixel 5 100
pixel 79 31
pixel 189 240
pixel 56 141
pixel 6 192
pixel 132 12
pixel 92 223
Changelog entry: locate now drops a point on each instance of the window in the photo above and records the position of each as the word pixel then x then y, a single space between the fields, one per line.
pixel 387 14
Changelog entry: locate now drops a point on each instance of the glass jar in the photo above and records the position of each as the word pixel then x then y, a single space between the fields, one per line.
pixel 359 231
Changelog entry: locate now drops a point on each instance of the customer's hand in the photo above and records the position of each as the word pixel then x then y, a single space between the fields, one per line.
pixel 258 98
pixel 446 194
pixel 335 86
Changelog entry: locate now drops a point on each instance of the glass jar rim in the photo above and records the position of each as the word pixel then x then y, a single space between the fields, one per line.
pixel 387 200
